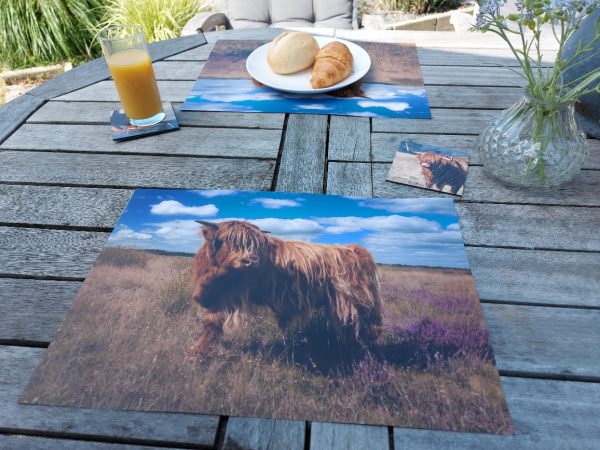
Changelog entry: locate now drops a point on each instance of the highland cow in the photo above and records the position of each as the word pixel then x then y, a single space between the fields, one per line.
pixel 240 268
pixel 441 170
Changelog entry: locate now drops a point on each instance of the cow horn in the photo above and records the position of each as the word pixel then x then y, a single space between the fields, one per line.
pixel 207 224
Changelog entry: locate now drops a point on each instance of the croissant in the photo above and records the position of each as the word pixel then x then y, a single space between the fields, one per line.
pixel 333 63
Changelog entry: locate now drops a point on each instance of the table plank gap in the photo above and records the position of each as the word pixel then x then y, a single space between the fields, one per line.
pixel 304 151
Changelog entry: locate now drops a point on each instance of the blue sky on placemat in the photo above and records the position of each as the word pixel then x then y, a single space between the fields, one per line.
pixel 379 100
pixel 420 231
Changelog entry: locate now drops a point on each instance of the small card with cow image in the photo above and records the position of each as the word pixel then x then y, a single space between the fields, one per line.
pixel 428 167
pixel 282 306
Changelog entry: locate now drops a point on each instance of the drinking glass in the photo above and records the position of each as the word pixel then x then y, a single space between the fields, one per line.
pixel 127 56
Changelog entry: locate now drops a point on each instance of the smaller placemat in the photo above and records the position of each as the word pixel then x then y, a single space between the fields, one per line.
pixel 424 166
pixel 121 129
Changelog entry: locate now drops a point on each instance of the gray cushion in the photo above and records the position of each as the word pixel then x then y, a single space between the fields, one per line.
pixel 333 13
pixel 252 11
pixel 291 11
pixel 287 13
pixel 292 23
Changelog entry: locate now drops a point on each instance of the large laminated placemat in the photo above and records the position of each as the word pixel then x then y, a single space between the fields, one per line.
pixel 393 87
pixel 280 305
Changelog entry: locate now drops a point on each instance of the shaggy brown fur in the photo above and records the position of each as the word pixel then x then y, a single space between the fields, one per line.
pixel 240 268
pixel 441 170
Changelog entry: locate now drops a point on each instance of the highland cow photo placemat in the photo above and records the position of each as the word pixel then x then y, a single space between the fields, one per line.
pixel 424 166
pixel 280 305
pixel 393 87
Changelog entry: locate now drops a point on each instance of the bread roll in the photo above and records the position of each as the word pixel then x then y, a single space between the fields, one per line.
pixel 292 52
pixel 333 64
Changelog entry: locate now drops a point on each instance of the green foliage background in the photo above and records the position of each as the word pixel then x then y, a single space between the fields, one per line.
pixel 37 32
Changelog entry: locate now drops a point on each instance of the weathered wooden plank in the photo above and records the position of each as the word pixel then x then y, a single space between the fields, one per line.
pixel 37 251
pixel 178 70
pixel 553 277
pixel 385 145
pixel 135 171
pixel 548 277
pixel 33 309
pixel 47 205
pixel 473 97
pixel 340 436
pixel 352 179
pixel 302 164
pixel 474 57
pixel 526 339
pixel 582 191
pixel 349 139
pixel 17 365
pixel 477 97
pixel 547 415
pixel 99 113
pixel 105 91
pixel 97 70
pixel 441 39
pixel 448 121
pixel 263 434
pixel 434 75
pixel 557 341
pixel 530 226
pixel 229 142
pixel 427 55
pixel 12 442
pixel 14 113
pixel 471 76
pixel 524 226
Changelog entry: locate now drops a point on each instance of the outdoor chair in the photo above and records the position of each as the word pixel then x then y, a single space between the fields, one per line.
pixel 242 14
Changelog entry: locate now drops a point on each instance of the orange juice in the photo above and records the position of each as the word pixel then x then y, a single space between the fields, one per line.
pixel 132 72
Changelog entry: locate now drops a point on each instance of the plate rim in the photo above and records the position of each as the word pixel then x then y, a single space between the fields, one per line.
pixel 334 87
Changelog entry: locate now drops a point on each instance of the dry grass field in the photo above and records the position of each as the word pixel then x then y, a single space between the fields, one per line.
pixel 125 345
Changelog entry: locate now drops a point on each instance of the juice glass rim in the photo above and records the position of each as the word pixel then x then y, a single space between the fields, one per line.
pixel 102 34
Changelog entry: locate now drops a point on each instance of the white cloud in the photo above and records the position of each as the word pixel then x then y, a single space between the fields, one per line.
pixel 211 193
pixel 173 207
pixel 315 106
pixel 275 203
pixel 439 206
pixel 177 230
pixel 126 233
pixel 339 225
pixel 453 227
pixel 394 106
pixel 297 229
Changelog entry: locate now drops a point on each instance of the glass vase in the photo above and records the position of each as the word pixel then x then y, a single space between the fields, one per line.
pixel 534 144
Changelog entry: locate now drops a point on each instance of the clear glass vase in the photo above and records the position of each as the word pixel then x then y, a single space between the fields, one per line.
pixel 533 144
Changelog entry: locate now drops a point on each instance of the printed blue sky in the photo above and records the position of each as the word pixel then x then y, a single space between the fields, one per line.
pixel 382 100
pixel 421 231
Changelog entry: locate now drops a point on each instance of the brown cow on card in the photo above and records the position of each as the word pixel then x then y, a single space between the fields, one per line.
pixel 240 268
pixel 441 170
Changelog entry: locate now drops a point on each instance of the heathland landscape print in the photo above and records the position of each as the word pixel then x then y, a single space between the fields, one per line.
pixel 393 87
pixel 280 305
pixel 419 165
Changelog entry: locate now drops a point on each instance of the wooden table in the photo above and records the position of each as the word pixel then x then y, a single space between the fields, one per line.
pixel 535 255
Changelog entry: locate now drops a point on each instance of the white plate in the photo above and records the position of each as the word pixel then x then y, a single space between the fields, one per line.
pixel 299 83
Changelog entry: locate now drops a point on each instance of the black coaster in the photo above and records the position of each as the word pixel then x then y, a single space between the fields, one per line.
pixel 121 129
